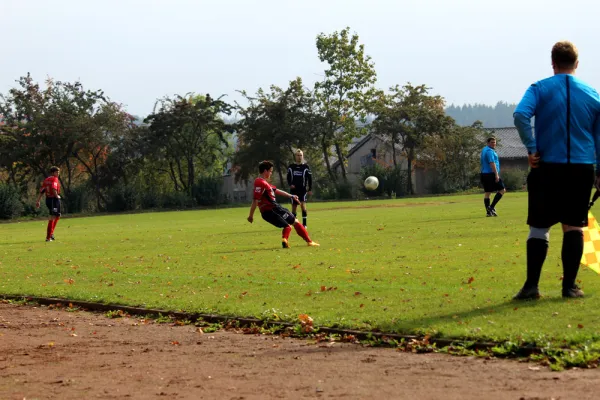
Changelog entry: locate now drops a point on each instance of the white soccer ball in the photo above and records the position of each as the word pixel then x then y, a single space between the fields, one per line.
pixel 371 183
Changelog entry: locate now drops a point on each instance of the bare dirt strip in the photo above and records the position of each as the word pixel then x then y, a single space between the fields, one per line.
pixel 55 354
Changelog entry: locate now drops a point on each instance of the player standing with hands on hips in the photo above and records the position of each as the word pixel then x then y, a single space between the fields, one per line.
pixel 299 179
pixel 271 211
pixel 51 188
pixel 490 177
pixel 562 155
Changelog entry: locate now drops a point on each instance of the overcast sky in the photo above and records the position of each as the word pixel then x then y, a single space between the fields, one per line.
pixel 469 51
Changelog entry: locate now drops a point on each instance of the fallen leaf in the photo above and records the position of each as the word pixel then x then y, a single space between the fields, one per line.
pixel 357 293
pixel 580 326
pixel 471 279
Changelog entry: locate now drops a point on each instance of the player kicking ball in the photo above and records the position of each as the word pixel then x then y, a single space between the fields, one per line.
pixel 271 211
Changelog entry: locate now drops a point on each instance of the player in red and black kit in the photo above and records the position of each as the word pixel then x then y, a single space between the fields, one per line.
pixel 271 211
pixel 299 179
pixel 51 188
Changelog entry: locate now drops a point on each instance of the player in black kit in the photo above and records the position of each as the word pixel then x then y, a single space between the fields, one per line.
pixel 300 180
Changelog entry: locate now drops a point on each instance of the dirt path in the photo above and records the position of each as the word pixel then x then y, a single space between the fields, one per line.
pixel 55 354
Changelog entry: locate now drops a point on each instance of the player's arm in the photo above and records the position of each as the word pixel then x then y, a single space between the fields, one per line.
pixel 290 177
pixel 597 145
pixel 522 118
pixel 286 194
pixel 39 198
pixel 308 180
pixel 252 209
pixel 495 170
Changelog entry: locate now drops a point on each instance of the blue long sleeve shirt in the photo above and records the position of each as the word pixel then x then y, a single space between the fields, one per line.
pixel 567 120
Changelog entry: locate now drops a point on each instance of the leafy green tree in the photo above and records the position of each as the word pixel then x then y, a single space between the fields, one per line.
pixel 454 155
pixel 405 117
pixel 190 134
pixel 344 93
pixel 273 125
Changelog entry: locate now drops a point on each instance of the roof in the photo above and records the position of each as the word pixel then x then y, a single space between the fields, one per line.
pixel 509 143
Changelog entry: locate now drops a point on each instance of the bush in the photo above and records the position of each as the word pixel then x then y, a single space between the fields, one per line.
pixel 122 198
pixel 393 181
pixel 207 191
pixel 514 178
pixel 177 200
pixel 151 198
pixel 10 203
pixel 336 191
pixel 78 200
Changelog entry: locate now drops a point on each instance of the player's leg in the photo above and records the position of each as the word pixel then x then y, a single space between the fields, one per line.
pixel 575 208
pixel 487 192
pixel 501 189
pixel 278 219
pixel 300 229
pixel 540 217
pixel 50 205
pixel 304 213
pixel 57 214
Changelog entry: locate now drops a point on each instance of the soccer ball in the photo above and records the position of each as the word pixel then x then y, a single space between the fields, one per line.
pixel 371 183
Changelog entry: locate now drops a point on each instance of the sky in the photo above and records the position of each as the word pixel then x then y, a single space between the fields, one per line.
pixel 468 51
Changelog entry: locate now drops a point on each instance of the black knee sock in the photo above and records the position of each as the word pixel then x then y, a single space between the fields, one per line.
pixel 572 250
pixel 497 198
pixel 294 212
pixel 304 214
pixel 536 255
pixel 487 203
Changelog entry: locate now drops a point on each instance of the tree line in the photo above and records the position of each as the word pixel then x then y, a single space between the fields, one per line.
pixel 176 156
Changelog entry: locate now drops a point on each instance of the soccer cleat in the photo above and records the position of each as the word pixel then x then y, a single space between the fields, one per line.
pixel 49 239
pixel 313 244
pixel 493 212
pixel 285 244
pixel 572 293
pixel 526 293
pixel 52 237
pixel 488 213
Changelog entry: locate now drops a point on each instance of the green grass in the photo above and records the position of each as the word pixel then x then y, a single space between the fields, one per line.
pixel 429 265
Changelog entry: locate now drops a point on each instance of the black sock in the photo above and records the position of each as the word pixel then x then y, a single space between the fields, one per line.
pixel 294 214
pixel 304 214
pixel 572 250
pixel 497 198
pixel 487 203
pixel 537 249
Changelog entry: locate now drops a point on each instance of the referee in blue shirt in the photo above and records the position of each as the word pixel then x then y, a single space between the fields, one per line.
pixel 490 177
pixel 562 154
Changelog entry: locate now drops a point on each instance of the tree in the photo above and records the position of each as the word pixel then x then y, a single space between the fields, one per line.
pixel 190 132
pixel 405 117
pixel 343 95
pixel 62 124
pixel 272 126
pixel 454 155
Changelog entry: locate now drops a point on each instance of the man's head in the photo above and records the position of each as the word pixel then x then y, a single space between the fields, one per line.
pixel 299 156
pixel 491 141
pixel 266 169
pixel 565 57
pixel 54 171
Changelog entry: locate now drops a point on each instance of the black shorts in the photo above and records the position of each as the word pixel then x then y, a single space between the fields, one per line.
pixel 279 217
pixel 489 183
pixel 53 205
pixel 559 193
pixel 301 193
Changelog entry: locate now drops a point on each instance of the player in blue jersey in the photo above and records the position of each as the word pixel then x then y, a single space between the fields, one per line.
pixel 562 154
pixel 490 177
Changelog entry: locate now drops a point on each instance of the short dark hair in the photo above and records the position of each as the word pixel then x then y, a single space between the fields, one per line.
pixel 54 169
pixel 491 138
pixel 264 166
pixel 564 54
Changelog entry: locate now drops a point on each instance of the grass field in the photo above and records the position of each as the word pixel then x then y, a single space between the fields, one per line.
pixel 429 265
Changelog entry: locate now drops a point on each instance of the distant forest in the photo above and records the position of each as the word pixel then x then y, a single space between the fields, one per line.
pixel 498 116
